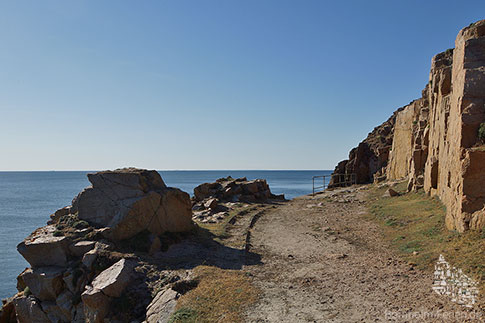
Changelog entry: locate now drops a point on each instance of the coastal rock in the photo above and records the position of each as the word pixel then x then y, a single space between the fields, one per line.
pixel 28 310
pixel 7 314
pixel 89 258
pixel 130 200
pixel 53 312
pixel 58 214
pixel 369 157
pixel 96 305
pixel 162 306
pixel 108 284
pixel 211 203
pixel 64 304
pixel 77 314
pixel 208 195
pixel 43 248
pixel 81 247
pixel 45 283
pixel 20 280
pixel 112 281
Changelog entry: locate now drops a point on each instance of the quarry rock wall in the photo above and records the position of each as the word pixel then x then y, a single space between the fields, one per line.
pixel 435 141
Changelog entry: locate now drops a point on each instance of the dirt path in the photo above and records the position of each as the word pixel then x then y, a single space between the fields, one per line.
pixel 322 262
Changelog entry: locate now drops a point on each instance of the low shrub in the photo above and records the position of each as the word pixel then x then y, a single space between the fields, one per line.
pixel 481 132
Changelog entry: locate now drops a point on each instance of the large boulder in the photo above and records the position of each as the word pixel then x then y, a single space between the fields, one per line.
pixel 45 283
pixel 131 200
pixel 28 310
pixel 96 305
pixel 109 284
pixel 112 281
pixel 44 248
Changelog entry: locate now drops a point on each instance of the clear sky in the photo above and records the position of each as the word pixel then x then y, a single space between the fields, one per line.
pixel 253 84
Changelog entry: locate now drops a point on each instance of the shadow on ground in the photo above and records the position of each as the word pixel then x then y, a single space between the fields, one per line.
pixel 200 248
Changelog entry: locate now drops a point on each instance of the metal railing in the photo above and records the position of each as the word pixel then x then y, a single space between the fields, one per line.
pixel 339 180
pixel 322 187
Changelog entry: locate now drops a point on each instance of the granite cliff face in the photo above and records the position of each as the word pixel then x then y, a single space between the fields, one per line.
pixel 370 157
pixel 435 143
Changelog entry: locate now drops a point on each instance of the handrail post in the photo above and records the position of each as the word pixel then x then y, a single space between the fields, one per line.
pixel 313 186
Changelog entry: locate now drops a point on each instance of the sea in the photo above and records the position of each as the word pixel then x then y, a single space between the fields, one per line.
pixel 28 198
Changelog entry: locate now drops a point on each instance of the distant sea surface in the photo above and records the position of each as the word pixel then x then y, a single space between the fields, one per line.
pixel 28 198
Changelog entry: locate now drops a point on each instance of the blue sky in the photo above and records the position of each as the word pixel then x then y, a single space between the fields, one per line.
pixel 253 84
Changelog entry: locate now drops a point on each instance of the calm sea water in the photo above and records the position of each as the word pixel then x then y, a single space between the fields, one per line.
pixel 28 198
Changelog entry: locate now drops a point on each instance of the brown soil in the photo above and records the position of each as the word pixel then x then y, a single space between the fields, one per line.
pixel 323 261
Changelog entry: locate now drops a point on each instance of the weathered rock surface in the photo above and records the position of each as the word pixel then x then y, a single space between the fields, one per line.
pixel 112 281
pixel 45 283
pixel 434 139
pixel 7 314
pixel 212 201
pixel 43 248
pixel 369 157
pixel 130 200
pixel 233 190
pixel 162 306
pixel 80 248
pixel 96 304
pixel 107 285
pixel 28 310
pixel 83 262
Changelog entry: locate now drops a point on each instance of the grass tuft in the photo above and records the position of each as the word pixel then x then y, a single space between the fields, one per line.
pixel 184 315
pixel 220 296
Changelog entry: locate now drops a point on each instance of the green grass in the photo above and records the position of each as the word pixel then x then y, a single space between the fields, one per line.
pixel 481 132
pixel 413 224
pixel 27 291
pixel 184 315
pixel 58 233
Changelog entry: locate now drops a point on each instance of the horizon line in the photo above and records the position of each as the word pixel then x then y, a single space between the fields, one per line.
pixel 164 170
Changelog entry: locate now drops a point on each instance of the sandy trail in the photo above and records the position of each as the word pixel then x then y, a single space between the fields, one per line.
pixel 322 262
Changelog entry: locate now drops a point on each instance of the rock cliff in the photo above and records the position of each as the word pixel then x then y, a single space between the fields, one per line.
pixel 435 141
pixel 370 157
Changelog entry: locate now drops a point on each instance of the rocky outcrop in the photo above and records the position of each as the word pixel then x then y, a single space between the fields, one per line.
pixel 211 201
pixel 435 143
pixel 83 265
pixel 44 248
pixel 409 146
pixel 235 190
pixel 109 284
pixel 129 201
pixel 451 151
pixel 369 157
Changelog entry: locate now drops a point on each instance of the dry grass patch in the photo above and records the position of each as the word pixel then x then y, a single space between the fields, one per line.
pixel 413 223
pixel 221 296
